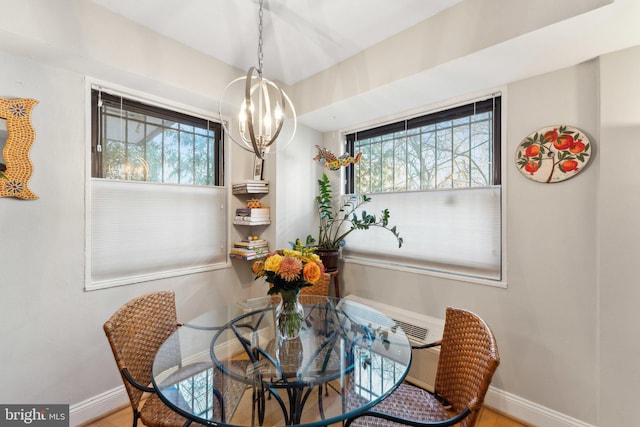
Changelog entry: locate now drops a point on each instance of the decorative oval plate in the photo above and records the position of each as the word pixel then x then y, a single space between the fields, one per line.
pixel 553 154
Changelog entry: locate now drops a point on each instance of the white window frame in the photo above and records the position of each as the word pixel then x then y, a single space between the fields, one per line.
pixel 223 262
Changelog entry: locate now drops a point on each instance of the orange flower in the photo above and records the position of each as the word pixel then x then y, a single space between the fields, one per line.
pixel 258 268
pixel 312 272
pixel 290 268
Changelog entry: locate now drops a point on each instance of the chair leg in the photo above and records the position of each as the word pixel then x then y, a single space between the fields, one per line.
pixel 136 416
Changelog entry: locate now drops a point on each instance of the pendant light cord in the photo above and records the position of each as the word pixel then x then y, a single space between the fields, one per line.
pixel 260 56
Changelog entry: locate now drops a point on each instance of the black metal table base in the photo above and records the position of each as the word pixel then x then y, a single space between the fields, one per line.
pixel 297 397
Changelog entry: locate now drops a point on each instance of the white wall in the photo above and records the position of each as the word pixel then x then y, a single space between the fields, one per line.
pixel 54 349
pixel 545 320
pixel 297 174
pixel 619 238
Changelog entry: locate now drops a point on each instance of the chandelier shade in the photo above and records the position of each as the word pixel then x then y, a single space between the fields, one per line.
pixel 262 112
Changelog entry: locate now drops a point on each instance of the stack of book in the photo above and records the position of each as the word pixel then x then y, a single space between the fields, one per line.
pixel 252 216
pixel 249 249
pixel 250 186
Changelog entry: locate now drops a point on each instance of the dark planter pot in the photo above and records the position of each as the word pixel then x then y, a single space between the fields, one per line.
pixel 329 258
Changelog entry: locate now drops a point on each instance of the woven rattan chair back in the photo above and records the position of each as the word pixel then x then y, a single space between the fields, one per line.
pixel 321 287
pixel 468 358
pixel 136 331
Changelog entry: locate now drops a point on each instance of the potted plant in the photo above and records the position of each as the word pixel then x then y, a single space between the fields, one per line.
pixel 338 220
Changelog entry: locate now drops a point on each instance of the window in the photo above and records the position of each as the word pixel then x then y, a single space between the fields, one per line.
pixel 140 142
pixel 456 148
pixel 157 205
pixel 373 373
pixel 439 175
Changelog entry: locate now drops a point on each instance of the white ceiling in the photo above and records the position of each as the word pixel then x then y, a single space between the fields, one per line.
pixel 305 37
pixel 301 37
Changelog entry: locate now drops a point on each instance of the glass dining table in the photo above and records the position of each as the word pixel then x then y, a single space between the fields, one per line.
pixel 229 366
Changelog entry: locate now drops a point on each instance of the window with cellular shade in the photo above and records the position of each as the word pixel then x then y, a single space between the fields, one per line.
pixel 448 231
pixel 157 207
pixel 439 176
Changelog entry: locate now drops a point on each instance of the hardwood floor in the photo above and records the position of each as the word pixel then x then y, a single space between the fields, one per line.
pixel 487 418
pixel 124 416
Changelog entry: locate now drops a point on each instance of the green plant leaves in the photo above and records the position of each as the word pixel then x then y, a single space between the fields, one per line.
pixel 332 218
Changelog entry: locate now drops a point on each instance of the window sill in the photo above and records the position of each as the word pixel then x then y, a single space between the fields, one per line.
pixel 130 280
pixel 428 272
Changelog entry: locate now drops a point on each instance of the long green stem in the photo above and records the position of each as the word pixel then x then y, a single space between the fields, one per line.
pixel 333 219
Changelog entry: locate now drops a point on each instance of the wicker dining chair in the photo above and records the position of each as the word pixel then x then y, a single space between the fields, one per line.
pixel 468 358
pixel 321 287
pixel 135 332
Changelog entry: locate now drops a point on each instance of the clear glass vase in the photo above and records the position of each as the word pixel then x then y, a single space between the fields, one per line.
pixel 289 315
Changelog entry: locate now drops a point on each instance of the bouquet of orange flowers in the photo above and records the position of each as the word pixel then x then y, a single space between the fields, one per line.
pixel 289 269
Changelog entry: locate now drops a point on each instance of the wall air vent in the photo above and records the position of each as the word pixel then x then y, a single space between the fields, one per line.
pixel 415 332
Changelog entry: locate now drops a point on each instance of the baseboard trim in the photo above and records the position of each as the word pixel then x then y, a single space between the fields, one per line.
pixel 109 401
pixel 97 406
pixel 507 403
pixel 529 412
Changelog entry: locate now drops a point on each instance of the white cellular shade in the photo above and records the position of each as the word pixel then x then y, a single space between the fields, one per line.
pixel 454 231
pixel 144 231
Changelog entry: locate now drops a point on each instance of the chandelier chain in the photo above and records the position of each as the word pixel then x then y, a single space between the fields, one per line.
pixel 260 55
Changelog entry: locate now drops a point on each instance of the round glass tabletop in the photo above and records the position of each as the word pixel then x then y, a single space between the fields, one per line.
pixel 230 367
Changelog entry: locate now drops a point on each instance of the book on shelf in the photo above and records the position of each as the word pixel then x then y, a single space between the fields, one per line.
pixel 247 257
pixel 253 212
pixel 250 190
pixel 250 186
pixel 254 186
pixel 246 251
pixel 247 220
pixel 252 182
pixel 245 242
pixel 251 244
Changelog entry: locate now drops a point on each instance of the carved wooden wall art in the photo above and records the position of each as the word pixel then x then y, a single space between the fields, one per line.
pixel 16 170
